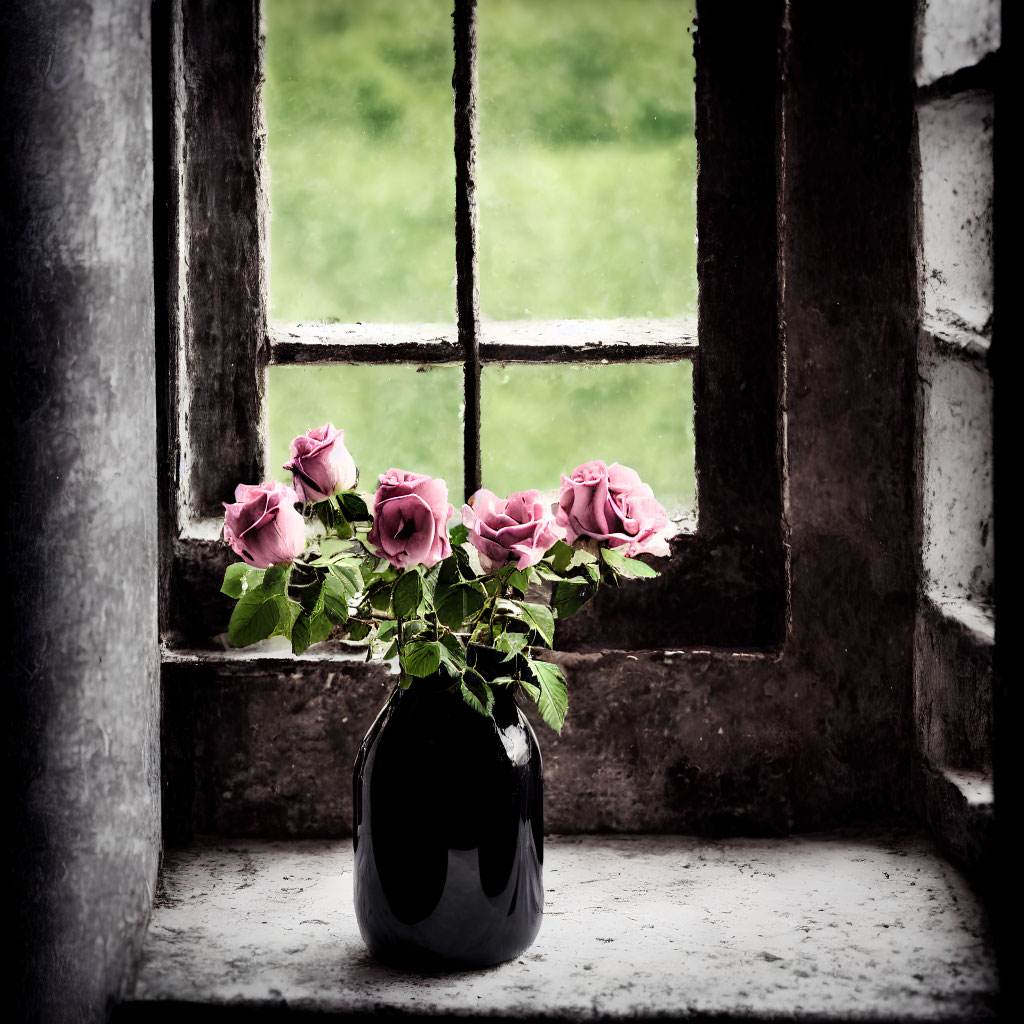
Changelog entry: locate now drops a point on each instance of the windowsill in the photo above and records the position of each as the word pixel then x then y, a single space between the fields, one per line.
pixel 341 652
pixel 974 787
pixel 975 619
pixel 852 924
pixel 954 336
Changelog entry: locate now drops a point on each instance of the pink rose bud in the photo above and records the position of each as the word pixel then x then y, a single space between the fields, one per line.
pixel 519 528
pixel 320 464
pixel 615 507
pixel 263 525
pixel 410 519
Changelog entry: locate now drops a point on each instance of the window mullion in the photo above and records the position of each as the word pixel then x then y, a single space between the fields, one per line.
pixel 464 83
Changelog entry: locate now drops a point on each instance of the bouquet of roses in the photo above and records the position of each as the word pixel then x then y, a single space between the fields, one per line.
pixel 319 560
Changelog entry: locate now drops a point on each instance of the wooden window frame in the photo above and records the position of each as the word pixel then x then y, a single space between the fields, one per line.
pixel 726 582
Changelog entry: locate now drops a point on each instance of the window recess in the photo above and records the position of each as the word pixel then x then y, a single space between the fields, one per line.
pixel 954 637
pixel 725 584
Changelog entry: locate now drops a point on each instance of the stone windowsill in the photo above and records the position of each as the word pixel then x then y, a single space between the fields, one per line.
pixel 841 925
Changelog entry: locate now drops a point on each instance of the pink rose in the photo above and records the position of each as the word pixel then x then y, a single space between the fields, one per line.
pixel 614 506
pixel 410 517
pixel 263 525
pixel 519 528
pixel 320 464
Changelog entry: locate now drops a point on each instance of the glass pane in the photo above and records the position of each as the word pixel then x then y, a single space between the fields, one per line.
pixel 587 159
pixel 392 416
pixel 542 421
pixel 360 139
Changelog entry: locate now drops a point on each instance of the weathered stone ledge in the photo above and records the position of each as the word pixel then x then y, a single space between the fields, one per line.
pixel 849 925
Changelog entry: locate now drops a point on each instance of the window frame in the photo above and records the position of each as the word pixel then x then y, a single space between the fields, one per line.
pixel 726 582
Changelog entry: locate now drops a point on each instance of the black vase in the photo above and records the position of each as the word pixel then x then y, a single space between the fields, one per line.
pixel 448 830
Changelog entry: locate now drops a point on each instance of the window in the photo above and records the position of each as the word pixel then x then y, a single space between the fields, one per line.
pixel 726 581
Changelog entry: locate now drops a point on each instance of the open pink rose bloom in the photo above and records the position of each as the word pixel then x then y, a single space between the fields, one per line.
pixel 263 525
pixel 615 507
pixel 519 528
pixel 410 519
pixel 321 464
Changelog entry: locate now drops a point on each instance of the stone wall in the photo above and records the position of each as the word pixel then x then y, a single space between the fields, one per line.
pixel 82 663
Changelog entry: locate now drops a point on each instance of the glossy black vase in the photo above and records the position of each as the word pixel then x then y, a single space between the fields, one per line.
pixel 448 831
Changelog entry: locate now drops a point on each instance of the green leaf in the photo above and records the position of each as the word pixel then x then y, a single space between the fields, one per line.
pixel 476 693
pixel 324 511
pixel 239 577
pixel 380 648
pixel 421 658
pixel 306 586
pixel 511 608
pixel 331 547
pixel 255 617
pixel 569 598
pixel 408 594
pixel 533 692
pixel 310 629
pixel 290 611
pixel 379 596
pixel 591 569
pixel 275 579
pixel 335 598
pixel 457 604
pixel 358 630
pixel 539 618
pixel 559 555
pixel 331 516
pixel 453 655
pixel 350 578
pixel 511 644
pixel 481 633
pixel 630 568
pixel 553 700
pixel 455 648
pixel 463 563
pixel 449 571
pixel 413 628
pixel 520 579
pixel 545 573
pixel 459 535
pixel 353 508
pixel 430 578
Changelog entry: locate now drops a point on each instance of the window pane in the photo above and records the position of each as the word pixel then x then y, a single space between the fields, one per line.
pixel 392 416
pixel 587 159
pixel 542 421
pixel 359 116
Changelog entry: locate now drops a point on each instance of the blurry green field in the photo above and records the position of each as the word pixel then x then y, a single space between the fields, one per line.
pixel 586 194
pixel 538 422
